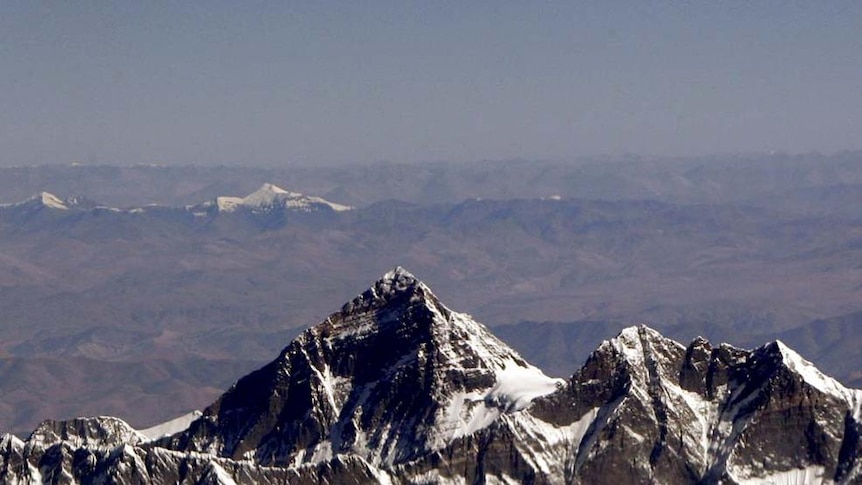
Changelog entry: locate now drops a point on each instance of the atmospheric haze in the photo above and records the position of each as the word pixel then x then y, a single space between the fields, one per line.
pixel 336 82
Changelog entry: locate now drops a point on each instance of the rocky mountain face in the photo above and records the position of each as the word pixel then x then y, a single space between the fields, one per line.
pixel 666 413
pixel 391 377
pixel 397 388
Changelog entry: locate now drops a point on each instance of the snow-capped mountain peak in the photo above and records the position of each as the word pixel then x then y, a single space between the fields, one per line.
pixel 395 283
pixel 42 199
pixel 398 279
pixel 270 196
pixel 267 195
pixel 391 376
pixel 635 342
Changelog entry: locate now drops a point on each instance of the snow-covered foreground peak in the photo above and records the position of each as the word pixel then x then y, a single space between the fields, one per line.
pixel 270 196
pixel 397 388
pixel 392 376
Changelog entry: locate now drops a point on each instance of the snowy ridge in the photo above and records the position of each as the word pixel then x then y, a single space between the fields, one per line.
pixel 811 374
pixel 264 200
pixel 94 432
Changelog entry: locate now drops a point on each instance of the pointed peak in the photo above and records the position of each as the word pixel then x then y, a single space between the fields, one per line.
pixel 778 350
pixel 271 188
pixel 700 340
pixel 393 284
pixel 398 280
pixel 267 194
pixel 633 343
pixel 394 366
pixel 794 362
pixel 398 276
pixel 782 347
pixel 9 441
pixel 50 200
pixel 270 196
pixel 700 344
pixel 639 332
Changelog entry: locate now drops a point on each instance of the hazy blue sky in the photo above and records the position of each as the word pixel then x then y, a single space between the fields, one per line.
pixel 325 82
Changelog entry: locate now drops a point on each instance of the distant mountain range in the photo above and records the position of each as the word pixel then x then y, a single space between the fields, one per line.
pixel 267 199
pixel 397 388
pixel 812 184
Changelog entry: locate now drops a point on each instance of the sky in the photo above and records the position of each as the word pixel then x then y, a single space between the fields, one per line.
pixel 326 82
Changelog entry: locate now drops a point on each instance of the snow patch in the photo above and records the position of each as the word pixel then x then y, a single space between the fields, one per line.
pixel 222 477
pixel 52 201
pixel 433 477
pixel 517 386
pixel 800 476
pixel 380 476
pixel 171 427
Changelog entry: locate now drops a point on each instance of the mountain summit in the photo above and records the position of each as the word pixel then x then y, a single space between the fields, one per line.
pixel 269 197
pixel 391 377
pixel 397 388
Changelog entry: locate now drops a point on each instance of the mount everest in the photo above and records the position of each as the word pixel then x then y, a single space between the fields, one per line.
pixel 397 388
